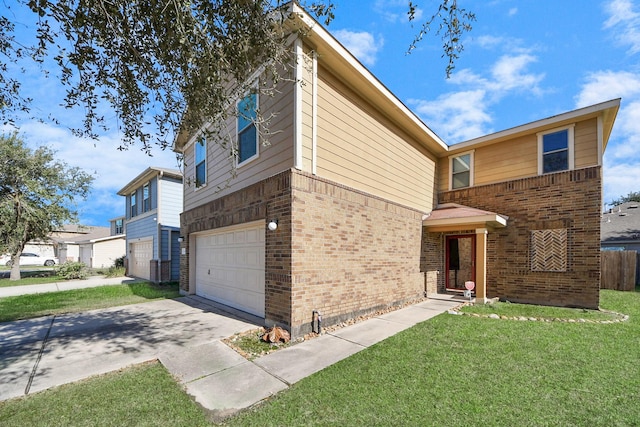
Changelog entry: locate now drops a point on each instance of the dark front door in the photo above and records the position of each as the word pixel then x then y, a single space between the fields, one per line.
pixel 460 261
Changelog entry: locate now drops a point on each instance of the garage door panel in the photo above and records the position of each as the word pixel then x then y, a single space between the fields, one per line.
pixel 230 267
pixel 139 261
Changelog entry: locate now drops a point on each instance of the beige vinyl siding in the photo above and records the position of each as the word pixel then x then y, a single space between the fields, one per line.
pixel 513 159
pixel 518 157
pixel 360 148
pixel 273 158
pixel 586 143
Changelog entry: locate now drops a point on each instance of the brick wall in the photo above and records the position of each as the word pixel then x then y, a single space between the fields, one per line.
pixel 266 200
pixel 432 261
pixel 336 250
pixel 352 253
pixel 570 200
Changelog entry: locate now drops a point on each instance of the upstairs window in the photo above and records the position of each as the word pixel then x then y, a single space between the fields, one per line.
pixel 133 207
pixel 555 151
pixel 461 168
pixel 119 228
pixel 247 129
pixel 201 162
pixel 146 198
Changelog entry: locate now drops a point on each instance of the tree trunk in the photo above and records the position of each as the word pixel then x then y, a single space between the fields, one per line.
pixel 15 267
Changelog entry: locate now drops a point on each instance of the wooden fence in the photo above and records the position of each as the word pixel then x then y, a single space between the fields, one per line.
pixel 618 270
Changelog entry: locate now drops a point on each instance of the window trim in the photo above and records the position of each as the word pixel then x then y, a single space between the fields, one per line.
pixel 133 204
pixel 471 154
pixel 146 203
pixel 570 147
pixel 118 226
pixel 203 161
pixel 239 163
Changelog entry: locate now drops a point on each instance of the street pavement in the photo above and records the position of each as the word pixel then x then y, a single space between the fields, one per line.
pixel 185 335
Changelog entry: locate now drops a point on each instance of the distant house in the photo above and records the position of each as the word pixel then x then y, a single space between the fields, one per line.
pixel 102 252
pixel 67 241
pixel 152 223
pixel 97 247
pixel 620 228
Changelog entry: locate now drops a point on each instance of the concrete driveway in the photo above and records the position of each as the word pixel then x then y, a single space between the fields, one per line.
pixel 41 353
pixel 185 335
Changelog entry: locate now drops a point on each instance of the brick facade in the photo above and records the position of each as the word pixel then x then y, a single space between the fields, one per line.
pixel 266 200
pixel 346 253
pixel 336 250
pixel 565 200
pixel 352 253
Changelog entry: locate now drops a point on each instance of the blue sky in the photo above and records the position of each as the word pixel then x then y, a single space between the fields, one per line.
pixel 524 60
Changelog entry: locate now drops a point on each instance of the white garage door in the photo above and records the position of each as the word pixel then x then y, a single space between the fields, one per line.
pixel 139 261
pixel 230 267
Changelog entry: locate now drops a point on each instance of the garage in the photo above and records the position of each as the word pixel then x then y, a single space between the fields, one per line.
pixel 140 256
pixel 230 266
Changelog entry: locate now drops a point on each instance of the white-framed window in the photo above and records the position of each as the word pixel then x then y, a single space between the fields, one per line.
pixel 461 170
pixel 555 150
pixel 201 161
pixel 247 131
pixel 146 197
pixel 119 226
pixel 133 211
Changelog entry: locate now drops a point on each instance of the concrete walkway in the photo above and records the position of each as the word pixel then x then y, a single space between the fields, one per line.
pixel 185 335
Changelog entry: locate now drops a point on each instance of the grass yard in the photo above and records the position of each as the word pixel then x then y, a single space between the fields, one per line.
pixel 464 371
pixel 73 301
pixel 144 395
pixel 448 371
pixel 32 278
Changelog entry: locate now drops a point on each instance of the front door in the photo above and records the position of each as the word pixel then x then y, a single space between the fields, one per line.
pixel 460 261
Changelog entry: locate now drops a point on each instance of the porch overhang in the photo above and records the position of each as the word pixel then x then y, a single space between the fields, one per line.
pixel 452 217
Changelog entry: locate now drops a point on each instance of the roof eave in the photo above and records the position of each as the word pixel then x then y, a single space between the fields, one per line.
pixel 608 110
pixel 491 221
pixel 146 175
pixel 350 69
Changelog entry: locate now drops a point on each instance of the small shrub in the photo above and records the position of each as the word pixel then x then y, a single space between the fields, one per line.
pixel 119 262
pixel 72 270
pixel 115 272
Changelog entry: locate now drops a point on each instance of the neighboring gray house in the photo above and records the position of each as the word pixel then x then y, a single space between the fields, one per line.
pixel 620 228
pixel 152 223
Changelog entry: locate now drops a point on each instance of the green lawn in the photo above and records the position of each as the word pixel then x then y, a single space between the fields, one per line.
pixel 35 277
pixel 144 395
pixel 29 306
pixel 466 371
pixel 448 371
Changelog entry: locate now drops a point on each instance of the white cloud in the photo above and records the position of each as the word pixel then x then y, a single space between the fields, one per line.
pixel 361 44
pixel 456 116
pixel 464 114
pixel 605 85
pixel 112 168
pixel 510 73
pixel 624 22
pixel 513 11
pixel 622 156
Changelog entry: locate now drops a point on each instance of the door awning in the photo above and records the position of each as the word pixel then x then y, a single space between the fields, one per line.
pixel 452 216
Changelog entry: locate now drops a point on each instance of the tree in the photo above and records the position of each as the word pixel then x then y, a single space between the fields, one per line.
pixel 633 196
pixel 162 64
pixel 37 195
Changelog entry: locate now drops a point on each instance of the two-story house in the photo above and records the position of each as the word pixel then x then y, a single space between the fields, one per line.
pixel 356 205
pixel 152 223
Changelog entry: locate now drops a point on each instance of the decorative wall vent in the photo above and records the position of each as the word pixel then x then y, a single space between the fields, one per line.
pixel 549 250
